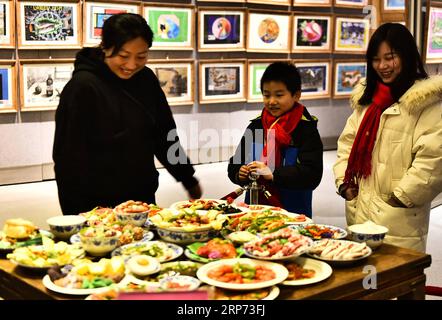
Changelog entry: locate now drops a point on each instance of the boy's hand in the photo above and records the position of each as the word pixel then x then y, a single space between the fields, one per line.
pixel 261 169
pixel 243 174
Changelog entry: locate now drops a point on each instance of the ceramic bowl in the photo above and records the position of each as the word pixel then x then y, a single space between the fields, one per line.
pixel 370 233
pixel 63 227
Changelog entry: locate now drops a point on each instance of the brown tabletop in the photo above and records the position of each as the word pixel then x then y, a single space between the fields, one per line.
pixel 389 272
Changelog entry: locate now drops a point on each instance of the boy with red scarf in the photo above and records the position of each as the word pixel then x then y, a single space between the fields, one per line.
pixel 282 145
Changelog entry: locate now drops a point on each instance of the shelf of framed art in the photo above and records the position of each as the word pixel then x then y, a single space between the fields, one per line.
pixel 312 33
pixel 433 37
pixel 351 34
pixel 8 86
pixel 41 82
pixel 176 78
pixel 347 73
pixel 315 78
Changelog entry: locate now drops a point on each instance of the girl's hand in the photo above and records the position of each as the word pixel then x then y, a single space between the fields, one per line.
pixel 261 169
pixel 243 174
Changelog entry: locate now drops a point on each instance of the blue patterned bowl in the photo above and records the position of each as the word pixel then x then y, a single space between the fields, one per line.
pixel 370 233
pixel 100 245
pixel 186 237
pixel 63 227
pixel 136 218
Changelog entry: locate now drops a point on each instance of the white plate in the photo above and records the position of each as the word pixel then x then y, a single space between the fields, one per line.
pixel 336 262
pixel 281 273
pixel 322 271
pixel 147 236
pixel 178 205
pixel 176 250
pixel 47 282
pixel 295 215
pixel 342 232
pixel 272 295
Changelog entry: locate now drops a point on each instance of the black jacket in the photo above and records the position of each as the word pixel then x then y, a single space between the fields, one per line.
pixel 108 131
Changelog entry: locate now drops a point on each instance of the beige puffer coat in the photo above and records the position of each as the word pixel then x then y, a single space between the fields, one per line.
pixel 406 160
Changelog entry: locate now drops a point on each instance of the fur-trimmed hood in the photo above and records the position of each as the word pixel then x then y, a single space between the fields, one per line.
pixel 421 94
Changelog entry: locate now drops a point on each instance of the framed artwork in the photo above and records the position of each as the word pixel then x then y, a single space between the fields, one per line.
pixel 45 25
pixel 7 86
pixel 221 29
pixel 393 5
pixel 176 79
pixel 255 70
pixel 433 38
pixel 268 32
pixel 315 78
pixel 351 3
pixel 274 2
pixel 7 24
pixel 312 33
pixel 42 81
pixel 347 74
pixel 220 0
pixel 352 34
pixel 312 3
pixel 221 81
pixel 173 27
pixel 96 12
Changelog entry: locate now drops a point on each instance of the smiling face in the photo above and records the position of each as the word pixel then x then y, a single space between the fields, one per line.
pixel 277 98
pixel 387 63
pixel 129 60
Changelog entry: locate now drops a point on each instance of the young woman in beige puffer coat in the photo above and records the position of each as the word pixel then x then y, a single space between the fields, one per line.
pixel 389 165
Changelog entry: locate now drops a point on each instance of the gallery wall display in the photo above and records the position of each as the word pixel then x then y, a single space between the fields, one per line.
pixel 41 82
pixel 176 79
pixel 393 5
pixel 7 86
pixel 173 26
pixel 351 3
pixel 48 24
pixel 7 24
pixel 222 81
pixel 352 34
pixel 315 78
pixel 272 2
pixel 221 29
pixel 96 12
pixel 347 73
pixel 310 3
pixel 268 32
pixel 433 38
pixel 312 33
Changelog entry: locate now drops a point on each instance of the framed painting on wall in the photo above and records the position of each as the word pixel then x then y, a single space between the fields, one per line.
pixel 351 34
pixel 96 12
pixel 7 86
pixel 46 25
pixel 221 29
pixel 393 5
pixel 176 79
pixel 315 78
pixel 351 3
pixel 173 27
pixel 255 70
pixel 433 37
pixel 221 81
pixel 312 33
pixel 347 74
pixel 272 2
pixel 312 3
pixel 268 32
pixel 41 82
pixel 7 24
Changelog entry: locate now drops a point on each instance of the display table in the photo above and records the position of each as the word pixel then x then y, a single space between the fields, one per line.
pixel 399 273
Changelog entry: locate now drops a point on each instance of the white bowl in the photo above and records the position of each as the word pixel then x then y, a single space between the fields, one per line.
pixel 100 245
pixel 368 232
pixel 63 227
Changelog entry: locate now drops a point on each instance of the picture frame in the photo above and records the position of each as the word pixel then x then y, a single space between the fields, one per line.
pixel 221 81
pixel 268 32
pixel 96 12
pixel 312 3
pixel 272 2
pixel 312 33
pixel 351 34
pixel 176 79
pixel 64 32
pixel 347 73
pixel 315 78
pixel 173 26
pixel 42 81
pixel 433 38
pixel 7 24
pixel 393 5
pixel 351 3
pixel 221 1
pixel 8 86
pixel 255 70
pixel 221 29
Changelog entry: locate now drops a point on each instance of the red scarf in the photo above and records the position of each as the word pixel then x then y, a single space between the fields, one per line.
pixel 359 162
pixel 278 134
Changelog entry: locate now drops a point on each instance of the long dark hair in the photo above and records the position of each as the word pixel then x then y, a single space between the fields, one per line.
pixel 402 42
pixel 123 27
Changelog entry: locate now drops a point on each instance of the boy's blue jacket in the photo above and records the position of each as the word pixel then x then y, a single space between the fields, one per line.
pixel 302 166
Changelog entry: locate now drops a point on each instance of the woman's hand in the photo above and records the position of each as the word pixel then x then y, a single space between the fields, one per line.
pixel 195 192
pixel 243 174
pixel 261 169
pixel 350 193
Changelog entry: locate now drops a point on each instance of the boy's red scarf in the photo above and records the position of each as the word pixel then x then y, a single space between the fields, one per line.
pixel 278 134
pixel 359 162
